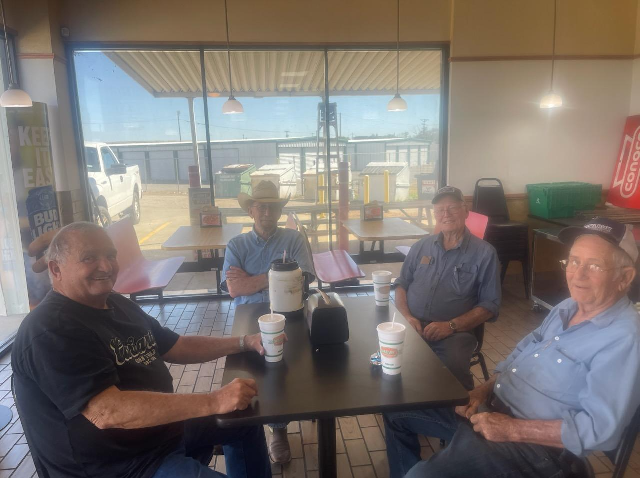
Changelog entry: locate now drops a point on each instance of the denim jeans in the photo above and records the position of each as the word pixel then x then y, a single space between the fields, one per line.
pixel 456 352
pixel 468 453
pixel 245 452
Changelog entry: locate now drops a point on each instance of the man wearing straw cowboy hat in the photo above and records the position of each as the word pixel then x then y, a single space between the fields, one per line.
pixel 247 261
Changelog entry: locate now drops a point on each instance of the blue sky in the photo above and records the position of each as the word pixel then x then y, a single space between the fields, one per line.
pixel 115 108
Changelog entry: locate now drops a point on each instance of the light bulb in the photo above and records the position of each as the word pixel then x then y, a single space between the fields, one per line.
pixel 232 107
pixel 397 104
pixel 551 100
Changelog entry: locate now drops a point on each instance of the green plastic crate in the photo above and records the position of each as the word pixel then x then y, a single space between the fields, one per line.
pixel 552 200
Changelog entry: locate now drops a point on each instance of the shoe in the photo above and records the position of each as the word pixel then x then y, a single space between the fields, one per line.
pixel 278 445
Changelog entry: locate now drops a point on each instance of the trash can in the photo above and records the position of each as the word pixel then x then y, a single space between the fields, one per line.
pixel 234 179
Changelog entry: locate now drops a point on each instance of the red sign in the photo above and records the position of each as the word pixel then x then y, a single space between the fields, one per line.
pixel 624 189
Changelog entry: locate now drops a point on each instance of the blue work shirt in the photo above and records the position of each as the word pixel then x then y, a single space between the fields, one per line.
pixel 442 285
pixel 254 255
pixel 586 375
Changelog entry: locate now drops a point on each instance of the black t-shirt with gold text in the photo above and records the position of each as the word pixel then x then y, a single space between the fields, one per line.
pixel 64 354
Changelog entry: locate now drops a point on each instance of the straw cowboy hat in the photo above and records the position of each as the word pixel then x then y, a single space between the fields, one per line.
pixel 266 192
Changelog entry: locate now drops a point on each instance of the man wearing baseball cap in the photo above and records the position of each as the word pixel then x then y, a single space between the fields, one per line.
pixel 569 388
pixel 247 260
pixel 449 284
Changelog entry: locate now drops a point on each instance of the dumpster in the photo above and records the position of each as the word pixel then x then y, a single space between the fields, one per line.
pixel 310 180
pixel 399 181
pixel 282 175
pixel 234 179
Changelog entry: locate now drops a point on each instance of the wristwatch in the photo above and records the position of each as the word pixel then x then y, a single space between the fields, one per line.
pixel 242 343
pixel 453 326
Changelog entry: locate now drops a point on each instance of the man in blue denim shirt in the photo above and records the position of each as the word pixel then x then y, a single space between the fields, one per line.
pixel 449 284
pixel 569 387
pixel 248 258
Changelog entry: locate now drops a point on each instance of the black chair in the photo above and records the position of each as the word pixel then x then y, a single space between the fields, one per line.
pixel 477 356
pixel 581 467
pixel 509 238
pixel 40 469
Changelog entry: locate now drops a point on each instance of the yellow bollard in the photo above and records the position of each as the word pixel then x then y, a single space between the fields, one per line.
pixel 321 188
pixel 386 186
pixel 321 192
pixel 366 189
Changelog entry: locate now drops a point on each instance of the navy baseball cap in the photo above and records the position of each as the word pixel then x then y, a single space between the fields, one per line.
pixel 612 231
pixel 448 191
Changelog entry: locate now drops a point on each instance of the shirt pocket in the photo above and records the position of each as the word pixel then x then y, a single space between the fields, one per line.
pixel 419 290
pixel 561 374
pixel 464 278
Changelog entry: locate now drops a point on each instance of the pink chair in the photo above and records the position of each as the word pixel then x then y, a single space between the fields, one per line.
pixel 475 222
pixel 331 266
pixel 139 276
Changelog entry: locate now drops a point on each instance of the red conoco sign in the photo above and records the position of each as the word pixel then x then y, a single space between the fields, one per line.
pixel 624 189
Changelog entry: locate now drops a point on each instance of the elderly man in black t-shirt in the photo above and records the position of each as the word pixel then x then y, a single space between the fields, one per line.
pixel 93 390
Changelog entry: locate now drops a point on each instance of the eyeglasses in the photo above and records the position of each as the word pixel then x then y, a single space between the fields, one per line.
pixel 264 207
pixel 454 209
pixel 572 265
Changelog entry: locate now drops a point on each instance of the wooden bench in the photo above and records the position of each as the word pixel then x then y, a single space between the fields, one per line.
pixel 331 267
pixel 139 276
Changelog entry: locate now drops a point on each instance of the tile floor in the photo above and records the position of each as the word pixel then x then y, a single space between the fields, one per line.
pixel 360 440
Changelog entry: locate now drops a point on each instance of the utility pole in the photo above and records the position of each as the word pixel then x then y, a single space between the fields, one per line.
pixel 286 133
pixel 424 127
pixel 180 136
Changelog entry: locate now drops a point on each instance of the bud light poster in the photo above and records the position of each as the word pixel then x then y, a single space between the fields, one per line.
pixel 624 189
pixel 35 189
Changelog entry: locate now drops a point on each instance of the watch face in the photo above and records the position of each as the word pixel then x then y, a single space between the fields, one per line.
pixel 452 325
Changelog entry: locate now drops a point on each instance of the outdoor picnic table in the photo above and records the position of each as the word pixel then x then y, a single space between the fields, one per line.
pixel 333 381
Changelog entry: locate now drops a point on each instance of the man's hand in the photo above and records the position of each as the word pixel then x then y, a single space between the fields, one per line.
pixel 494 426
pixel 39 246
pixel 416 325
pixel 236 273
pixel 477 396
pixel 435 331
pixel 254 342
pixel 236 395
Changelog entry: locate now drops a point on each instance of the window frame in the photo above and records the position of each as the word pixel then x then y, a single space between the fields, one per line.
pixel 73 47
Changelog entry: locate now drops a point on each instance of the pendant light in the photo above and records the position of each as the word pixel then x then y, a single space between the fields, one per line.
pixel 13 97
pixel 552 100
pixel 397 103
pixel 232 106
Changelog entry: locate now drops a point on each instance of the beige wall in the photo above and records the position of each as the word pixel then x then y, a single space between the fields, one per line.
pixel 256 21
pixel 524 27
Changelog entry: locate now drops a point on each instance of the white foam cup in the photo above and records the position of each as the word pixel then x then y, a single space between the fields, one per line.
pixel 390 341
pixel 382 283
pixel 272 332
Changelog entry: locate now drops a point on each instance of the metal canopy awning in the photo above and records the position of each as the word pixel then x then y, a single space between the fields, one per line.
pixel 281 72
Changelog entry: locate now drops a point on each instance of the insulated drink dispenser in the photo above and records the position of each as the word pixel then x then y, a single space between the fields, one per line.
pixel 285 286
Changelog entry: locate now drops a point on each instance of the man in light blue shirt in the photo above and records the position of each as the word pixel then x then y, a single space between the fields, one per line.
pixel 248 258
pixel 569 387
pixel 449 285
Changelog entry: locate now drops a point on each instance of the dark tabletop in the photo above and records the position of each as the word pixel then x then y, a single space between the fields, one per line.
pixel 337 380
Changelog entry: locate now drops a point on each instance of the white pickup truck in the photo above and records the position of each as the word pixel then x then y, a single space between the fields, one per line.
pixel 116 187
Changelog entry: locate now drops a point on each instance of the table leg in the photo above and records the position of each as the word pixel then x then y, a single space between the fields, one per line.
pixel 215 254
pixel 326 447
